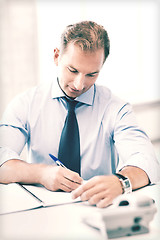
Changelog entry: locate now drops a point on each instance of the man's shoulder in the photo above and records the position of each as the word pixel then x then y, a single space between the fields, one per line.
pixel 109 104
pixel 39 90
pixel 31 96
pixel 105 95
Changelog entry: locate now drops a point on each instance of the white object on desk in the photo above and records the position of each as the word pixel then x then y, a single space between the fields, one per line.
pixel 129 215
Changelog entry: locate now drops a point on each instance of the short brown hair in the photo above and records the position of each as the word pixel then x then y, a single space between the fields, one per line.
pixel 88 35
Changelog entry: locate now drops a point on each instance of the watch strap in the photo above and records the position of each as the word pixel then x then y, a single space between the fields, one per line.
pixel 120 176
pixel 125 183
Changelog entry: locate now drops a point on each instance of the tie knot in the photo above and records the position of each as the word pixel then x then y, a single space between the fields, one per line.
pixel 71 104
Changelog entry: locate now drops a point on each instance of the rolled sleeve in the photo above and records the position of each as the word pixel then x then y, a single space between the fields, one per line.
pixel 133 145
pixel 13 131
pixel 7 154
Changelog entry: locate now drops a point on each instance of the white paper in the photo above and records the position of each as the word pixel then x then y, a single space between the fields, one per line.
pixel 50 198
pixel 14 198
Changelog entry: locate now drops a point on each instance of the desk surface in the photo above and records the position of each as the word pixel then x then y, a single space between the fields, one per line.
pixel 65 222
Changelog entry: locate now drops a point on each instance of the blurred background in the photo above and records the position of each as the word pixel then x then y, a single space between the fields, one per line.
pixel 30 30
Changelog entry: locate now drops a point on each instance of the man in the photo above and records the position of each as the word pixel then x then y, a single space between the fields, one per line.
pixel 110 140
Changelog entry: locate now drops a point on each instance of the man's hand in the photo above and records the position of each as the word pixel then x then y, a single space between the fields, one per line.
pixel 99 190
pixel 55 177
pixel 50 176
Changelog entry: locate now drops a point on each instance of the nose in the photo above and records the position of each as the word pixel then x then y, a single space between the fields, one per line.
pixel 79 82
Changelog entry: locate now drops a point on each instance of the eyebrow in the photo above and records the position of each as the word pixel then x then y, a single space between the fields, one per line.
pixel 87 73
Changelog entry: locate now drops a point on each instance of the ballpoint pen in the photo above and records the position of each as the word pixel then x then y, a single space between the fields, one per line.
pixel 57 161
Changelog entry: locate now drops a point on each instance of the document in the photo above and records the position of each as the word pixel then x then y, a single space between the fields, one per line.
pixel 50 198
pixel 16 197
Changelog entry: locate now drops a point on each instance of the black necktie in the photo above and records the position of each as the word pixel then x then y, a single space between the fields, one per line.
pixel 69 147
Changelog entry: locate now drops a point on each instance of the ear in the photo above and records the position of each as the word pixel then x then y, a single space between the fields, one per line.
pixel 56 56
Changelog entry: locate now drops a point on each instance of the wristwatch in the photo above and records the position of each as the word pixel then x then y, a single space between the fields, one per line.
pixel 125 183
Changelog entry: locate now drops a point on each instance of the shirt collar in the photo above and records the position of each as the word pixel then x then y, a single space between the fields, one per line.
pixel 87 97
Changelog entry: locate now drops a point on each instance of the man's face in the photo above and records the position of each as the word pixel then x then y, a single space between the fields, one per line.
pixel 77 70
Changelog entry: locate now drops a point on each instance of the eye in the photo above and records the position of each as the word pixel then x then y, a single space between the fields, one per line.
pixel 91 75
pixel 72 70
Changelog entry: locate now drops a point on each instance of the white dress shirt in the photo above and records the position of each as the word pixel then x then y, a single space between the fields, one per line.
pixel 109 135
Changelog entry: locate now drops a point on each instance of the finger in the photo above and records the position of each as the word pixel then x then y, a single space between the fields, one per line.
pixel 69 184
pixel 72 176
pixel 96 198
pixel 78 182
pixel 76 193
pixel 104 202
pixel 97 191
pixel 81 189
pixel 65 188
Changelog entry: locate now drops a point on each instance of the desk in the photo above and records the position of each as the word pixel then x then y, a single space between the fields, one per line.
pixel 64 222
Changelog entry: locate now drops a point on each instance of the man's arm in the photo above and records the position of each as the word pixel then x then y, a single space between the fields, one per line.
pixel 50 176
pixel 137 176
pixel 101 190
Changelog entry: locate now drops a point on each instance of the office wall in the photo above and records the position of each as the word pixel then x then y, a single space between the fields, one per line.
pixel 148 116
pixel 18 48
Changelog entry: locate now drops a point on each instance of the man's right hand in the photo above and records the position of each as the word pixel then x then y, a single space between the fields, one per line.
pixel 51 177
pixel 56 177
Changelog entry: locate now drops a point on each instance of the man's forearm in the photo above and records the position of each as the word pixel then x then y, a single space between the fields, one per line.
pixel 50 176
pixel 19 171
pixel 137 176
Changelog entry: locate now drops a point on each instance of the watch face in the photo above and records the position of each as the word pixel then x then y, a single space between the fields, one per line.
pixel 127 186
pixel 127 183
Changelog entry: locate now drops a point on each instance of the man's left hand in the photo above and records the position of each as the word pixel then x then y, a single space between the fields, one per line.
pixel 99 190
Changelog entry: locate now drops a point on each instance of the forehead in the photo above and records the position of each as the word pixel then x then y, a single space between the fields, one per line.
pixel 78 58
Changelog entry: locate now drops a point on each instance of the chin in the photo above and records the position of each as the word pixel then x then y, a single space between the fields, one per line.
pixel 70 95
